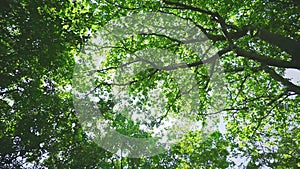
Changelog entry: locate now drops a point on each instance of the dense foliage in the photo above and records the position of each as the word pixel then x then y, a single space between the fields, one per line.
pixel 257 42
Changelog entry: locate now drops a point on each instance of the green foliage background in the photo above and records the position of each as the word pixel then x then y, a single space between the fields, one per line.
pixel 257 41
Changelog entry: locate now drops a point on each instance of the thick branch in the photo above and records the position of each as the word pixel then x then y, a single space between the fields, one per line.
pixel 283 81
pixel 266 60
pixel 288 45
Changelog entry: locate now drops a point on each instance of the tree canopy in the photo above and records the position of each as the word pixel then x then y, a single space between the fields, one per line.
pixel 44 43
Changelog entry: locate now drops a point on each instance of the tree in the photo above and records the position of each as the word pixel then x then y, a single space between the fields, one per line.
pixel 38 39
pixel 257 42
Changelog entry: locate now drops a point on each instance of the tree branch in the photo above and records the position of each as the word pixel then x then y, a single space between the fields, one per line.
pixel 288 45
pixel 283 81
pixel 265 60
pixel 183 6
